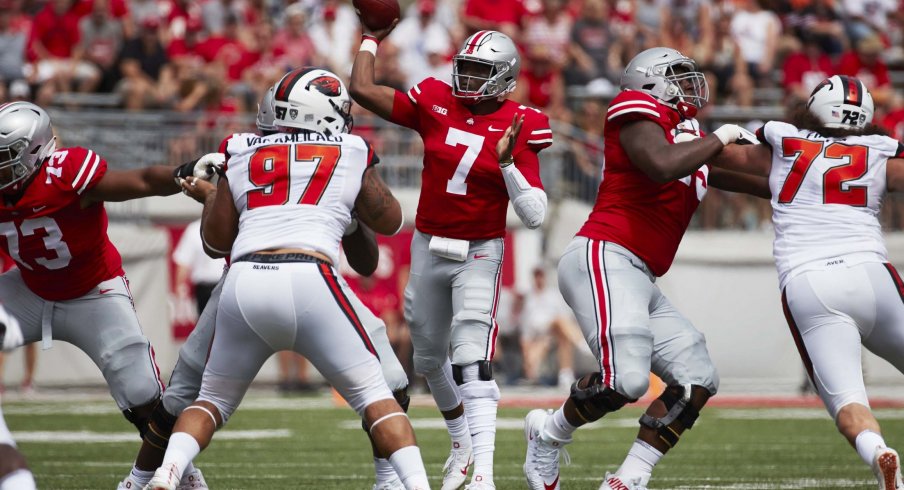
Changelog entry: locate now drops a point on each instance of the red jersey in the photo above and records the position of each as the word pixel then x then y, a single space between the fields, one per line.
pixel 463 194
pixel 62 249
pixel 632 210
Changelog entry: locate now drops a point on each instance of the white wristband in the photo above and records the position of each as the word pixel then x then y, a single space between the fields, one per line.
pixel 369 45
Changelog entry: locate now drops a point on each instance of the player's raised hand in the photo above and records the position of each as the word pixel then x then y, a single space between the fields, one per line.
pixel 197 189
pixel 507 143
pixel 378 34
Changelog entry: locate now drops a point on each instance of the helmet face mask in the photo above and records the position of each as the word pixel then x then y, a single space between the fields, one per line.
pixel 842 102
pixel 667 76
pixel 266 118
pixel 26 140
pixel 485 68
pixel 312 99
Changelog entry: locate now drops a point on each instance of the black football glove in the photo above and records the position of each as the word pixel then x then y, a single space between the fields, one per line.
pixel 187 169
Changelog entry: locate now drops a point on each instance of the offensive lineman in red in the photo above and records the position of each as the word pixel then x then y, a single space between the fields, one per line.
pixel 653 180
pixel 69 284
pixel 480 152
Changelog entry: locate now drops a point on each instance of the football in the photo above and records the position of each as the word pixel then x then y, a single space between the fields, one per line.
pixel 377 14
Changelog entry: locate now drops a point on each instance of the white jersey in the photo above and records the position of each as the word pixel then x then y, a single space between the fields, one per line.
pixel 294 190
pixel 826 196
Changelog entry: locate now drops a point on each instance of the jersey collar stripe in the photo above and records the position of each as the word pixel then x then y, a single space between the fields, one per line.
pixel 632 102
pixel 82 169
pixel 90 174
pixel 540 142
pixel 539 132
pixel 475 41
pixel 632 109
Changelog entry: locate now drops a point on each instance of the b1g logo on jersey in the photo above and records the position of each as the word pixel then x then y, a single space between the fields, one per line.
pixel 440 110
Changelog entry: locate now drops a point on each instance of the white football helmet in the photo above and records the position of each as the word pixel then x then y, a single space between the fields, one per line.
pixel 313 99
pixel 500 62
pixel 266 120
pixel 26 140
pixel 668 76
pixel 841 101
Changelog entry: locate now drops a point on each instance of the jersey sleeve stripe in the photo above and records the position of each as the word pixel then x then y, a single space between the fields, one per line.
pixel 90 174
pixel 411 97
pixel 81 170
pixel 540 132
pixel 632 109
pixel 540 142
pixel 631 102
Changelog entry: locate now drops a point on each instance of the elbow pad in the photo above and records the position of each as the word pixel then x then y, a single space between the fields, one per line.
pixel 529 202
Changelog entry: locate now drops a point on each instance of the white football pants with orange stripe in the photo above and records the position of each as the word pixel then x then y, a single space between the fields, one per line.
pixel 831 312
pixel 298 306
pixel 630 326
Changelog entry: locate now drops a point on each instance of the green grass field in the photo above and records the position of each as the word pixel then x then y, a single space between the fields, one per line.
pixel 289 443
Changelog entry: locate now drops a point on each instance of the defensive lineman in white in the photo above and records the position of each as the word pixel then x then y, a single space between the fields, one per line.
pixel 280 214
pixel 828 172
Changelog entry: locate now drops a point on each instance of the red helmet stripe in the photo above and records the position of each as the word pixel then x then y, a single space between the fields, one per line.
pixel 287 83
pixel 475 41
pixel 852 90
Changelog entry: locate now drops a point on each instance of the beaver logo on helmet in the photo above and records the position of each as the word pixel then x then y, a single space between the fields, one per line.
pixel 326 85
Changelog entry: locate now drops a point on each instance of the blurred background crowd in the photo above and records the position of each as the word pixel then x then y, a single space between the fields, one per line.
pixel 212 60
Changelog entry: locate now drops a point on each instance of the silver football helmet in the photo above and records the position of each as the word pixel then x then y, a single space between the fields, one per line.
pixel 841 101
pixel 266 120
pixel 313 99
pixel 486 67
pixel 668 76
pixel 26 140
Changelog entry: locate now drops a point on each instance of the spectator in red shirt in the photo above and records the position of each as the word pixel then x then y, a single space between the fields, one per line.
pixel 294 40
pixel 541 84
pixel 805 68
pixel 865 64
pixel 551 28
pixel 500 15
pixel 225 53
pixel 54 35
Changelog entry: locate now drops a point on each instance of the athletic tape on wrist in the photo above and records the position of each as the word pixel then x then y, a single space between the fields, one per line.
pixel 369 44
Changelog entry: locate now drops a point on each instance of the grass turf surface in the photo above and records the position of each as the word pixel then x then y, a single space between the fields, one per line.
pixel 307 443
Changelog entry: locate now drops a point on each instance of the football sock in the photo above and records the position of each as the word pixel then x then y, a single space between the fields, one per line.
pixel 383 470
pixel 188 469
pixel 557 427
pixel 20 479
pixel 867 443
pixel 481 399
pixel 640 461
pixel 141 477
pixel 443 388
pixel 410 468
pixel 458 431
pixel 181 450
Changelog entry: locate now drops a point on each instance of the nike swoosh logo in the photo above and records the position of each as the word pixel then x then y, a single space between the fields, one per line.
pixel 105 291
pixel 38 209
pixel 491 128
pixel 464 471
pixel 480 256
pixel 552 485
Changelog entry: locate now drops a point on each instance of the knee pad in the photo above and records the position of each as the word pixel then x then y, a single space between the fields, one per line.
pixel 677 401
pixel 401 396
pixel 484 372
pixel 139 420
pixel 592 399
pixel 160 427
pixel 479 390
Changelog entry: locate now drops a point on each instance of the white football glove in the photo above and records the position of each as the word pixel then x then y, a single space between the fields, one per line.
pixel 10 332
pixel 732 133
pixel 209 166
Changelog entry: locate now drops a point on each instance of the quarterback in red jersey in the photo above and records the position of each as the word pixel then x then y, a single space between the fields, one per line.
pixel 69 283
pixel 480 153
pixel 653 180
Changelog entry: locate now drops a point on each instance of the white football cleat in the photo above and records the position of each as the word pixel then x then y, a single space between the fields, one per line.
pixel 615 482
pixel 887 467
pixel 480 485
pixel 193 481
pixel 394 484
pixel 541 463
pixel 455 471
pixel 165 478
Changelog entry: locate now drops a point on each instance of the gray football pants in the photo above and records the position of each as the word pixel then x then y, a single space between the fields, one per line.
pixel 630 326
pixel 185 381
pixel 450 306
pixel 102 323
